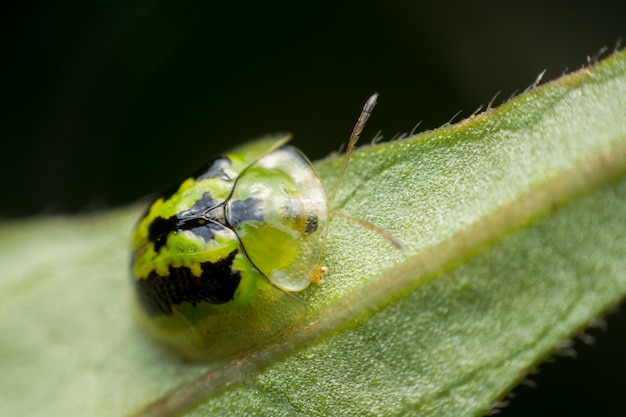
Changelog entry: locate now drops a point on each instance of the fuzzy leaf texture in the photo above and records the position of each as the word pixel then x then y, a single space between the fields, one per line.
pixel 515 240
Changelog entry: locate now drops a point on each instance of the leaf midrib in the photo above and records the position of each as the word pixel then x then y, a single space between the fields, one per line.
pixel 523 210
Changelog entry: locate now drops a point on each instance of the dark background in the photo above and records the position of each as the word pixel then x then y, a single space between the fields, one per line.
pixel 102 104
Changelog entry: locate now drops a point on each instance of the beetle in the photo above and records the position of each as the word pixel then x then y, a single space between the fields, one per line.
pixel 217 260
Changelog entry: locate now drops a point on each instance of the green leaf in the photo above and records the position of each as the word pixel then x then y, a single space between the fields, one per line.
pixel 515 241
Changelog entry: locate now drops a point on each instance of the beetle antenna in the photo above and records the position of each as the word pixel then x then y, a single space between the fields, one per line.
pixel 318 271
pixel 370 226
pixel 354 138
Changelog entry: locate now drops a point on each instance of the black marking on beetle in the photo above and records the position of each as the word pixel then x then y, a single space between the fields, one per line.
pixel 216 285
pixel 206 232
pixel 159 229
pixel 200 206
pixel 245 210
pixel 201 222
pixel 312 222
pixel 215 168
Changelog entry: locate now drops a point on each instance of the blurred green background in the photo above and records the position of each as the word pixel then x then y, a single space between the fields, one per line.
pixel 104 103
